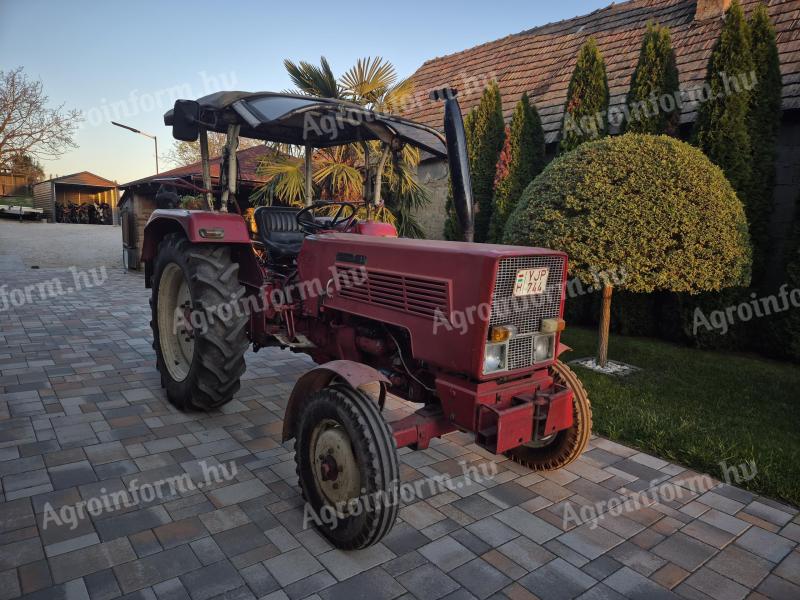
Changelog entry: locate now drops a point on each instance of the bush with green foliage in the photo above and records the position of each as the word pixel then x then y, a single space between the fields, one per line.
pixel 722 130
pixel 764 121
pixel 525 160
pixel 484 145
pixel 656 75
pixel 651 209
pixel 586 110
pixel 651 205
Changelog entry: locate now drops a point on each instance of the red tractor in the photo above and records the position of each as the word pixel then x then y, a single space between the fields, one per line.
pixel 471 332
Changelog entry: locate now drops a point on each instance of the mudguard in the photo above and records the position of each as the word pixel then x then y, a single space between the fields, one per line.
pixel 561 349
pixel 355 374
pixel 201 227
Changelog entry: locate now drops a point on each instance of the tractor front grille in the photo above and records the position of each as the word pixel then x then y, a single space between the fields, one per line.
pixel 420 296
pixel 525 313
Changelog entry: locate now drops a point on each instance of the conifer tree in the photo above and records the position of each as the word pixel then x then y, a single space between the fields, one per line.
pixel 520 162
pixel 485 144
pixel 721 130
pixel 652 101
pixel 585 113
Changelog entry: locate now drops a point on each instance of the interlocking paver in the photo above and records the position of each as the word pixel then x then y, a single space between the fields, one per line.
pixel 427 581
pixel 446 553
pixel 716 585
pixel 91 559
pixel 590 541
pixel 684 551
pixel 293 566
pixel 480 578
pixel 631 584
pixel 83 415
pixel 212 580
pixel 155 568
pixel 768 545
pixel 557 580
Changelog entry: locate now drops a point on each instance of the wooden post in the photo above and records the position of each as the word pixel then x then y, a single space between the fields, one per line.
pixel 605 323
pixel 206 166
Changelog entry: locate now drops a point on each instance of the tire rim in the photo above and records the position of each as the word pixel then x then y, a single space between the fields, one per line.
pixel 335 469
pixel 545 441
pixel 176 338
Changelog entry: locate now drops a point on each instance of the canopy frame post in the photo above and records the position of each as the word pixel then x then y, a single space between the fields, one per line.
pixel 228 171
pixel 309 188
pixel 206 166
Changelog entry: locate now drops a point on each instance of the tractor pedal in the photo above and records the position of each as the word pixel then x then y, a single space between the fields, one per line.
pixel 300 341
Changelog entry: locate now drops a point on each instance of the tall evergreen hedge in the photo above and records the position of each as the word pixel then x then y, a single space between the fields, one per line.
pixel 586 111
pixel 722 130
pixel 764 120
pixel 652 104
pixel 526 160
pixel 485 143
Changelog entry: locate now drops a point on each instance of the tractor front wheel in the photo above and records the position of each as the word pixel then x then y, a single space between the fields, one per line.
pixel 347 467
pixel 199 346
pixel 563 447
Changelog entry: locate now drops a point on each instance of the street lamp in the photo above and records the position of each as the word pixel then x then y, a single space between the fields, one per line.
pixel 154 138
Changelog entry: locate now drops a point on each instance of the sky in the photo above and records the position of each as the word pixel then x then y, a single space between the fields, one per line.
pixel 128 61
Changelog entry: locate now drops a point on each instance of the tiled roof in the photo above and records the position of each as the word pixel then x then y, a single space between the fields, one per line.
pixel 540 61
pixel 84 178
pixel 248 160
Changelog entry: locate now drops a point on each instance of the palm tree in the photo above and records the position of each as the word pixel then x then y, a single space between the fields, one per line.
pixel 339 172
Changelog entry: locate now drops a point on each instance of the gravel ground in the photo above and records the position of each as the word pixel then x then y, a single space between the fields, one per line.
pixel 29 244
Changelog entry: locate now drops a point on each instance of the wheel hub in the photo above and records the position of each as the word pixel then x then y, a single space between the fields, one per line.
pixel 336 472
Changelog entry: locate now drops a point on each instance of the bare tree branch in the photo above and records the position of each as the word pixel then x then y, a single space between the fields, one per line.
pixel 27 126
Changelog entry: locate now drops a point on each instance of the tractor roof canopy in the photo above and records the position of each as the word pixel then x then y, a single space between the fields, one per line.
pixel 301 120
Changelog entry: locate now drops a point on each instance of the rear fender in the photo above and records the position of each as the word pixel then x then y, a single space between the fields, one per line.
pixel 354 374
pixel 201 227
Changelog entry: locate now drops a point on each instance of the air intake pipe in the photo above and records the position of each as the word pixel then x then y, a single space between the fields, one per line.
pixel 458 160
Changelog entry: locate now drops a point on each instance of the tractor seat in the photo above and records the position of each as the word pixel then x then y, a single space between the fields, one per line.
pixel 278 230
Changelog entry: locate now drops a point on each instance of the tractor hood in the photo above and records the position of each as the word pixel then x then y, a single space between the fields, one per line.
pixel 446 294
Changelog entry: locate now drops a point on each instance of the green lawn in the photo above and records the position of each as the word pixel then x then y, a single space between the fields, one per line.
pixel 17 201
pixel 699 408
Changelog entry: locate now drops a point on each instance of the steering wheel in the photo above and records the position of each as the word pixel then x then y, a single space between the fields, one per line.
pixel 342 219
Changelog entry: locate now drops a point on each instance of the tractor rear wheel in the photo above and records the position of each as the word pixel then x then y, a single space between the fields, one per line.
pixel 563 447
pixel 347 467
pixel 200 354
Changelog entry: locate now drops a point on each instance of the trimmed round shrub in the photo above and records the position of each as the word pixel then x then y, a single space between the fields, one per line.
pixel 651 209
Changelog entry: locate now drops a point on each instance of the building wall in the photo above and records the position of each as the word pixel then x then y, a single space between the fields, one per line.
pixel 43 198
pixel 433 176
pixel 787 192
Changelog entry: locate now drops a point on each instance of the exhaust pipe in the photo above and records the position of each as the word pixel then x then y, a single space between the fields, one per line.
pixel 458 160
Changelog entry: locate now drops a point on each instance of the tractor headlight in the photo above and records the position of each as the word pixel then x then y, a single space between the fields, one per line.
pixel 494 358
pixel 543 347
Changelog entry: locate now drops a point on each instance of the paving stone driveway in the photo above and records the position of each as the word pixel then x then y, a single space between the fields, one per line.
pixel 82 415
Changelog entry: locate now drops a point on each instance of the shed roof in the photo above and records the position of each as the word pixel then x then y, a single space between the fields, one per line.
pixel 540 61
pixel 84 178
pixel 248 160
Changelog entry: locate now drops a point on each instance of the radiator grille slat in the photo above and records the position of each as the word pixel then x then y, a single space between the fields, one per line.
pixel 414 295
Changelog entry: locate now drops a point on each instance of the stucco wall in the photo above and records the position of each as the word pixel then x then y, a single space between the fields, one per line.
pixel 432 175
